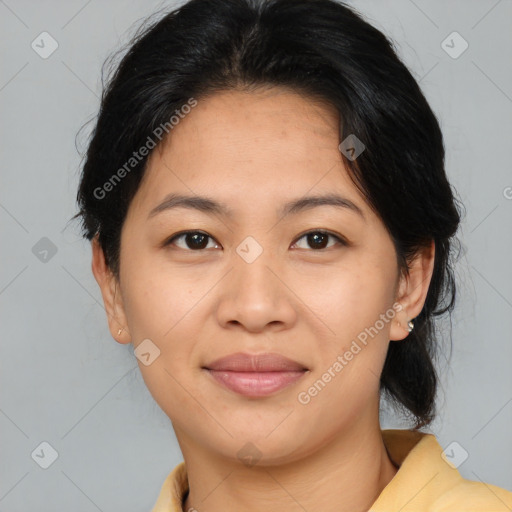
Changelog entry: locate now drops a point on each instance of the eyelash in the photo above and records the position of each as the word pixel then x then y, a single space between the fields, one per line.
pixel 177 236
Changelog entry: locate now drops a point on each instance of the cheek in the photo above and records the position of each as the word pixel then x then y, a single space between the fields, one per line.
pixel 349 299
pixel 156 311
pixel 158 300
pixel 356 307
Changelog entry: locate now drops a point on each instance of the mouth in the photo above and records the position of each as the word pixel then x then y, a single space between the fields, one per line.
pixel 255 375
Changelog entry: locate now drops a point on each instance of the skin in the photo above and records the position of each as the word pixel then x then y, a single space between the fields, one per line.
pixel 254 151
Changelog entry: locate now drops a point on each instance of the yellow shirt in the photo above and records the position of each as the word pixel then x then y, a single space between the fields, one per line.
pixel 425 482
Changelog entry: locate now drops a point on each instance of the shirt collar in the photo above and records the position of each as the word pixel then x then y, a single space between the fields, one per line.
pixel 423 475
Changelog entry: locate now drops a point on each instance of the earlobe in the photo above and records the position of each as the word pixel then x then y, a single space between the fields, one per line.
pixel 112 300
pixel 401 326
pixel 413 292
pixel 408 326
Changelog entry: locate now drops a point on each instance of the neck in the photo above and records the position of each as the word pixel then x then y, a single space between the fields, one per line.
pixel 346 474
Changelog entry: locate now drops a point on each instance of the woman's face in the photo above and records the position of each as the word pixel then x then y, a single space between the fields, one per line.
pixel 254 283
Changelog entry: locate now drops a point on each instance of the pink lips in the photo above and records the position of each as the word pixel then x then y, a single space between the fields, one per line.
pixel 255 375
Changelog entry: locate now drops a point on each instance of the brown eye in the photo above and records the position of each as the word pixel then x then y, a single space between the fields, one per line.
pixel 318 240
pixel 194 240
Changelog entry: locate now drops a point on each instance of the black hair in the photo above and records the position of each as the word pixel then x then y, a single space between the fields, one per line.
pixel 321 49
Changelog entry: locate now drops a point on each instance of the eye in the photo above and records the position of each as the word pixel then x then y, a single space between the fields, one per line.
pixel 197 240
pixel 318 239
pixel 194 240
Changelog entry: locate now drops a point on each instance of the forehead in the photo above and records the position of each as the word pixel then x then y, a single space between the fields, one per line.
pixel 246 146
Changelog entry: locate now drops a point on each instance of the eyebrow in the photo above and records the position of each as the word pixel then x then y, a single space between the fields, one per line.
pixel 212 207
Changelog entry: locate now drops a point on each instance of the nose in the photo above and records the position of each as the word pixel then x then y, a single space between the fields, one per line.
pixel 257 296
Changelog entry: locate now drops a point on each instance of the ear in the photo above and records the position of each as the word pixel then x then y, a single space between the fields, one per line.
pixel 412 291
pixel 112 299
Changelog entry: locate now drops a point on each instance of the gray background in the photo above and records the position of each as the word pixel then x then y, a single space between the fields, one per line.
pixel 65 381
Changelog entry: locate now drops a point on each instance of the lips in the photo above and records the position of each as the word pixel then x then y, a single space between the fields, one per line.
pixel 255 375
pixel 241 362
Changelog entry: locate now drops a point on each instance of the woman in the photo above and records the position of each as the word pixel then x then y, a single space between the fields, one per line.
pixel 272 230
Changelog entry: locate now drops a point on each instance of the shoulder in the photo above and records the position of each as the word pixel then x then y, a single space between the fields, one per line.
pixel 473 496
pixel 173 491
pixel 428 482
